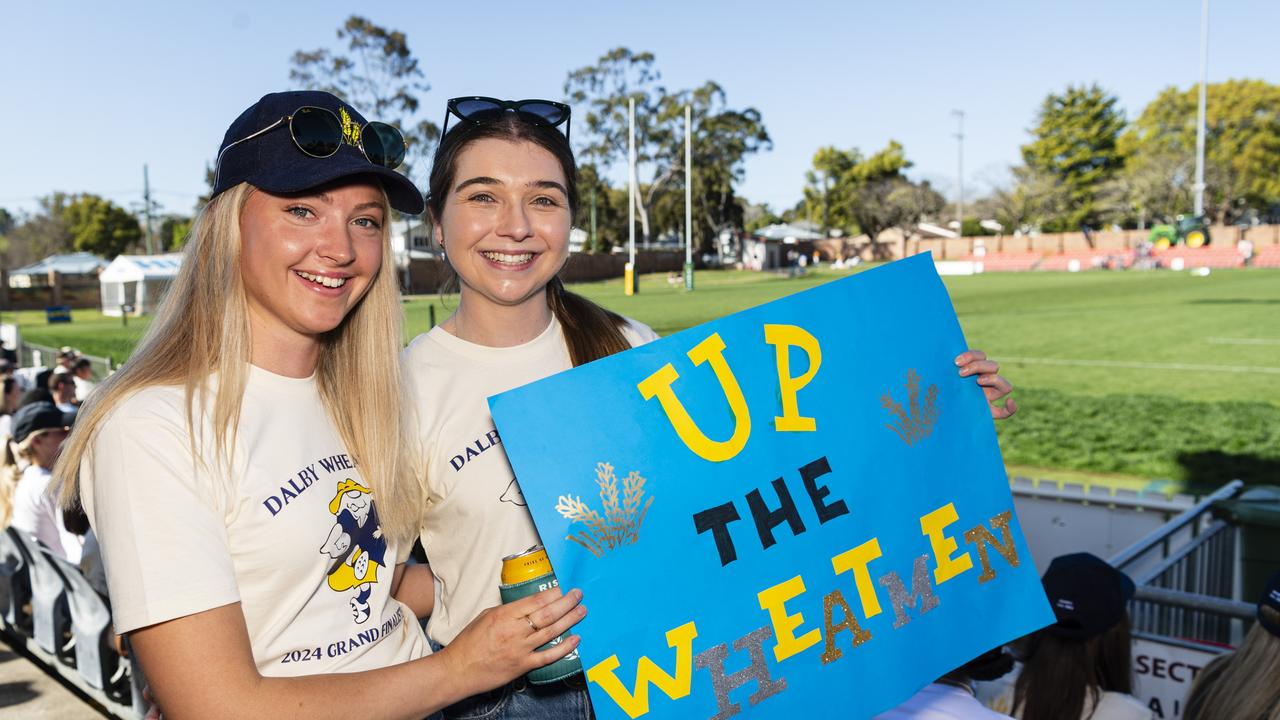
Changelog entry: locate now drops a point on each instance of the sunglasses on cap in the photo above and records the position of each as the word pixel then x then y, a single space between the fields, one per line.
pixel 319 133
pixel 479 109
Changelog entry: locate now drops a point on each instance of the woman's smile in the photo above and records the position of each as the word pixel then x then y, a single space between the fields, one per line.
pixel 323 281
pixel 510 260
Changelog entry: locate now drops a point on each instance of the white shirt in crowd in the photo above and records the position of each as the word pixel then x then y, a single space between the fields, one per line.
pixel 36 513
pixel 939 701
pixel 83 388
pixel 475 513
pixel 288 531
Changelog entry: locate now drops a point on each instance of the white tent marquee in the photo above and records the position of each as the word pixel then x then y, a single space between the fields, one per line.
pixel 137 281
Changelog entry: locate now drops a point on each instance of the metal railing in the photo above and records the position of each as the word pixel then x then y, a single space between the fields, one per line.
pixel 1187 576
pixel 35 355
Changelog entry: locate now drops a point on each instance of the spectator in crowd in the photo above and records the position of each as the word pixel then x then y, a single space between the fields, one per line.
pixel 38 432
pixel 1080 668
pixel 42 377
pixel 67 357
pixel 62 386
pixel 6 368
pixel 954 695
pixel 35 395
pixel 9 400
pixel 82 374
pixel 245 473
pixel 10 472
pixel 1245 247
pixel 1244 684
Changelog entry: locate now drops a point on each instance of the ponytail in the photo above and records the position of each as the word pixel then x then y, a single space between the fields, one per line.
pixel 10 474
pixel 590 331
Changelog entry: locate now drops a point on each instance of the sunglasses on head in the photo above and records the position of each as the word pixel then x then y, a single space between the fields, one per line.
pixel 479 109
pixel 319 133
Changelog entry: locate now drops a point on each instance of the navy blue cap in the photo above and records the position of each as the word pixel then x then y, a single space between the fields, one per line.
pixel 1088 596
pixel 273 162
pixel 1270 599
pixel 39 416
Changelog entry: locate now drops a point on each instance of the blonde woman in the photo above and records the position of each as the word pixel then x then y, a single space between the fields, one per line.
pixel 230 470
pixel 38 432
pixel 1246 683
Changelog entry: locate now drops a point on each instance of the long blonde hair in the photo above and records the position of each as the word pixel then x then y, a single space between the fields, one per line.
pixel 11 472
pixel 202 329
pixel 1243 684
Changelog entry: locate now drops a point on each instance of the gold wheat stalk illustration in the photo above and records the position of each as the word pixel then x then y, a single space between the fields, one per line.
pixel 622 519
pixel 586 542
pixel 608 483
pixel 918 420
pixel 578 511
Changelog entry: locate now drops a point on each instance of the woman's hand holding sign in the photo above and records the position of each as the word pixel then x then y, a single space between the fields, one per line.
pixel 995 387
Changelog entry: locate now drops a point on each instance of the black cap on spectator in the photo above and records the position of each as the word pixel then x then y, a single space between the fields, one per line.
pixel 39 416
pixel 1088 596
pixel 1270 599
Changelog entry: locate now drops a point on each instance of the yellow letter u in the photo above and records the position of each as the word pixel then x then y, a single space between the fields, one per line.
pixel 659 385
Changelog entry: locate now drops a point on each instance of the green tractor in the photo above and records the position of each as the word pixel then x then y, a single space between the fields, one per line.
pixel 1189 230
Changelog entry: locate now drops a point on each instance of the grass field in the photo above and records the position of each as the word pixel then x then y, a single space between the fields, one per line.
pixel 1121 376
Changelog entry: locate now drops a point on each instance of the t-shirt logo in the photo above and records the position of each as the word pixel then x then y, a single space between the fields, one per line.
pixel 513 494
pixel 356 544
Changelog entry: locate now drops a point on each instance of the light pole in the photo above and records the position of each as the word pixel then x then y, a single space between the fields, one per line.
pixel 629 273
pixel 688 198
pixel 959 114
pixel 1200 114
pixel 146 208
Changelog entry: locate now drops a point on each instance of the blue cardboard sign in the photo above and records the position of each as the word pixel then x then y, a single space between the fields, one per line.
pixel 791 510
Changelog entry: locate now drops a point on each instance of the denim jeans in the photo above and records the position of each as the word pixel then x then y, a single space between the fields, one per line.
pixel 522 700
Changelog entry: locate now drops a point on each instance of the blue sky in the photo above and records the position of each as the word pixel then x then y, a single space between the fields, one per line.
pixel 91 91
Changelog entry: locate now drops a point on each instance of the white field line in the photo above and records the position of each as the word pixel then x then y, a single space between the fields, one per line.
pixel 1243 341
pixel 1128 365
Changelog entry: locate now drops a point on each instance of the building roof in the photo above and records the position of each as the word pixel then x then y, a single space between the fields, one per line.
pixel 786 233
pixel 81 263
pixel 131 268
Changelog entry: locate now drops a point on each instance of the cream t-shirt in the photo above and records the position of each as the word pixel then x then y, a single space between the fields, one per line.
pixel 290 532
pixel 475 513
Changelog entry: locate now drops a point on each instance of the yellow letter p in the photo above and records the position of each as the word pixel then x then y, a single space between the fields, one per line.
pixel 782 337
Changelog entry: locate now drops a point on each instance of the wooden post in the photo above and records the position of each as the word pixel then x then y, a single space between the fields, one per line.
pixel 55 287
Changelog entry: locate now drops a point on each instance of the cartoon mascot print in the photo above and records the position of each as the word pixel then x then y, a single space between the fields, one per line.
pixel 356 545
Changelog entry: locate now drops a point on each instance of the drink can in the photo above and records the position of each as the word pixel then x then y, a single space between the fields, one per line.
pixel 524 574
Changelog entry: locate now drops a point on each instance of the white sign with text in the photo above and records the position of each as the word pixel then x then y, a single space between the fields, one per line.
pixel 1163 674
